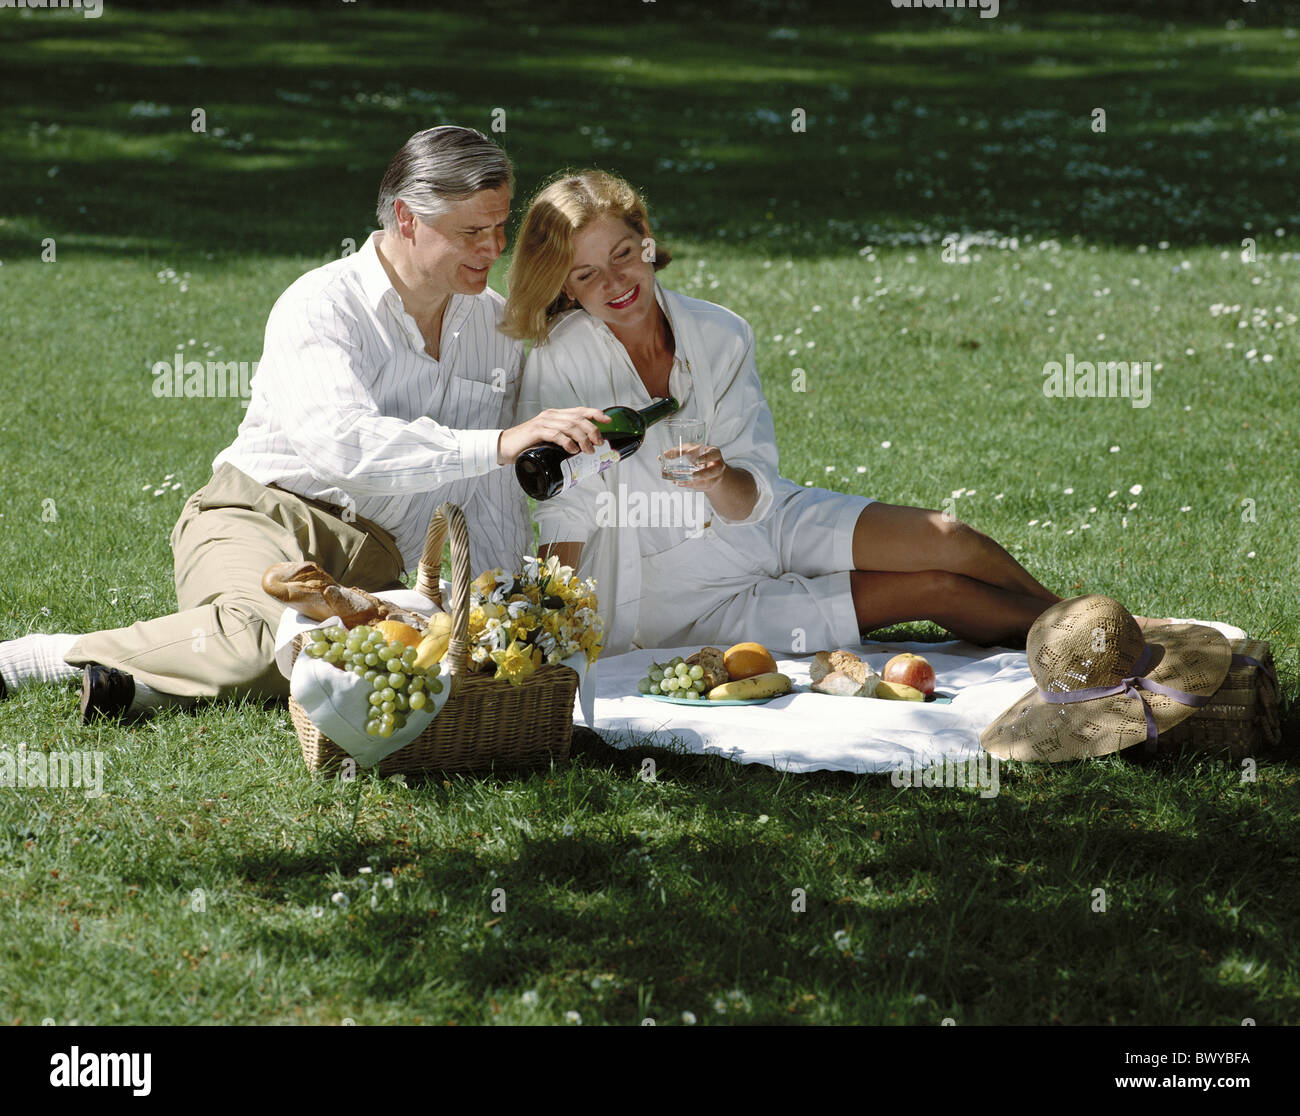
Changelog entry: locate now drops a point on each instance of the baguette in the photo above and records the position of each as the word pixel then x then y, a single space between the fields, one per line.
pixel 352 606
pixel 314 593
pixel 302 585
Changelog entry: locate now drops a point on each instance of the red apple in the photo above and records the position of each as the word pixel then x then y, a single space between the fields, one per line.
pixel 910 670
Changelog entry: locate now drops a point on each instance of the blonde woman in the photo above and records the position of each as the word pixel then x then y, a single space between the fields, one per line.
pixel 745 554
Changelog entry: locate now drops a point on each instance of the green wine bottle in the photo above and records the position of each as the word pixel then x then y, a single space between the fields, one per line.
pixel 547 469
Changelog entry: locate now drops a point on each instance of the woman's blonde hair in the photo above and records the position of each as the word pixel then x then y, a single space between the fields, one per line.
pixel 544 248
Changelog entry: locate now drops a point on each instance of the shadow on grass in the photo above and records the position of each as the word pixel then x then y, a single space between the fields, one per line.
pixel 970 906
pixel 911 124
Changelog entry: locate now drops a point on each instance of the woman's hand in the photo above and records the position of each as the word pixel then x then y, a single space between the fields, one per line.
pixel 570 428
pixel 732 492
pixel 709 467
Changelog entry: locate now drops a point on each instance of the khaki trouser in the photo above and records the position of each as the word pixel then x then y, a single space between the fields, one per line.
pixel 221 642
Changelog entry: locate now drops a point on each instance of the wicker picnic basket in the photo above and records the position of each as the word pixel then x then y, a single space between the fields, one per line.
pixel 485 724
pixel 1241 718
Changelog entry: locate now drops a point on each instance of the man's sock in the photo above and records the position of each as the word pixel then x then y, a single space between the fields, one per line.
pixel 147 698
pixel 36 658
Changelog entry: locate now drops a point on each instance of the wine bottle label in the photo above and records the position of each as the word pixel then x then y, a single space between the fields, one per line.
pixel 583 465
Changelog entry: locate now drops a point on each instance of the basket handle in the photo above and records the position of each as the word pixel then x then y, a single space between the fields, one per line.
pixel 428 584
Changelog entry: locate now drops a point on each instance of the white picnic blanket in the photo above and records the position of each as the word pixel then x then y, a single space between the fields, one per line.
pixel 805 731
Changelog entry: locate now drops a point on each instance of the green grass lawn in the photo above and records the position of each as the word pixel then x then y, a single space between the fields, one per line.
pixel 201 881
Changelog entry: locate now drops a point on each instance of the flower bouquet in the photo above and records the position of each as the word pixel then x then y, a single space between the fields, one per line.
pixel 542 615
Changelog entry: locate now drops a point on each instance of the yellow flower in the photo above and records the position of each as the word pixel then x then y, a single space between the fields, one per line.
pixel 476 622
pixel 590 642
pixel 493 611
pixel 515 663
pixel 486 581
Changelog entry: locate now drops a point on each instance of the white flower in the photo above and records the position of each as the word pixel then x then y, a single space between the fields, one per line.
pixel 339 900
pixel 688 1017
pixel 884 445
pixel 1114 449
pixel 529 998
pixel 573 1017
pixel 1136 490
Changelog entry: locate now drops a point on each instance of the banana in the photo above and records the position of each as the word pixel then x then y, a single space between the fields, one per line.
pixel 759 686
pixel 898 691
pixel 434 644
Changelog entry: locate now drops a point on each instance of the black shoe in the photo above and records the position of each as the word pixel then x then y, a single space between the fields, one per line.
pixel 105 692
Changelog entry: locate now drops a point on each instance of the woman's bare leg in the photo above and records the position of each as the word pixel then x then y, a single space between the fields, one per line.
pixel 970 609
pixel 891 538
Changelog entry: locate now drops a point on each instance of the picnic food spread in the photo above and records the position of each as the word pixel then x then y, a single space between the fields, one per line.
pixel 745 672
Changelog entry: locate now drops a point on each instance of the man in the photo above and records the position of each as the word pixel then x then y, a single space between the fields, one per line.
pixel 383 390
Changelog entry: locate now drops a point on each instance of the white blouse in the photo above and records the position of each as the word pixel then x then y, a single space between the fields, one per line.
pixel 629 510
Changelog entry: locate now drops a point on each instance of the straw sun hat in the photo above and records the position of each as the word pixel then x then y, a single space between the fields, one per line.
pixel 1100 686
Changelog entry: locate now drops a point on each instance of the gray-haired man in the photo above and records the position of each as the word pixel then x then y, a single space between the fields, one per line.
pixel 383 390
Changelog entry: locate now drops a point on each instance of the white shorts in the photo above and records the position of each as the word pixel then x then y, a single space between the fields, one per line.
pixel 783 582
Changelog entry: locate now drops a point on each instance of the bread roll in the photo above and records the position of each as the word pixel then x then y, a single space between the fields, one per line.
pixel 843 685
pixel 821 666
pixel 715 670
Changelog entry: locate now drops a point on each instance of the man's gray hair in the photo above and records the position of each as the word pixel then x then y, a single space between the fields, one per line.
pixel 439 166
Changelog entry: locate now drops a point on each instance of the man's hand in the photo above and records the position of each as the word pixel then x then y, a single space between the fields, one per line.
pixel 572 429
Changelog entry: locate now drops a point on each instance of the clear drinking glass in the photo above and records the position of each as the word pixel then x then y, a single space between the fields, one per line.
pixel 685 441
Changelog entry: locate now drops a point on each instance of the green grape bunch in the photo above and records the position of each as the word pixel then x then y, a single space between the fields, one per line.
pixel 396 685
pixel 674 679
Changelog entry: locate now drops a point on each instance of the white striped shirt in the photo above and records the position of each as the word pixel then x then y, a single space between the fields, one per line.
pixel 348 408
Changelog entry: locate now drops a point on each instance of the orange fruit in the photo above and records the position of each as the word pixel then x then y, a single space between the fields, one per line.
pixel 396 630
pixel 745 660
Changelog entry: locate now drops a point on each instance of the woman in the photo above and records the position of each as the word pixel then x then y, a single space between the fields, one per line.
pixel 748 555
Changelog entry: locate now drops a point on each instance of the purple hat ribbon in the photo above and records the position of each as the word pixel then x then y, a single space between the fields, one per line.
pixel 1131 686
